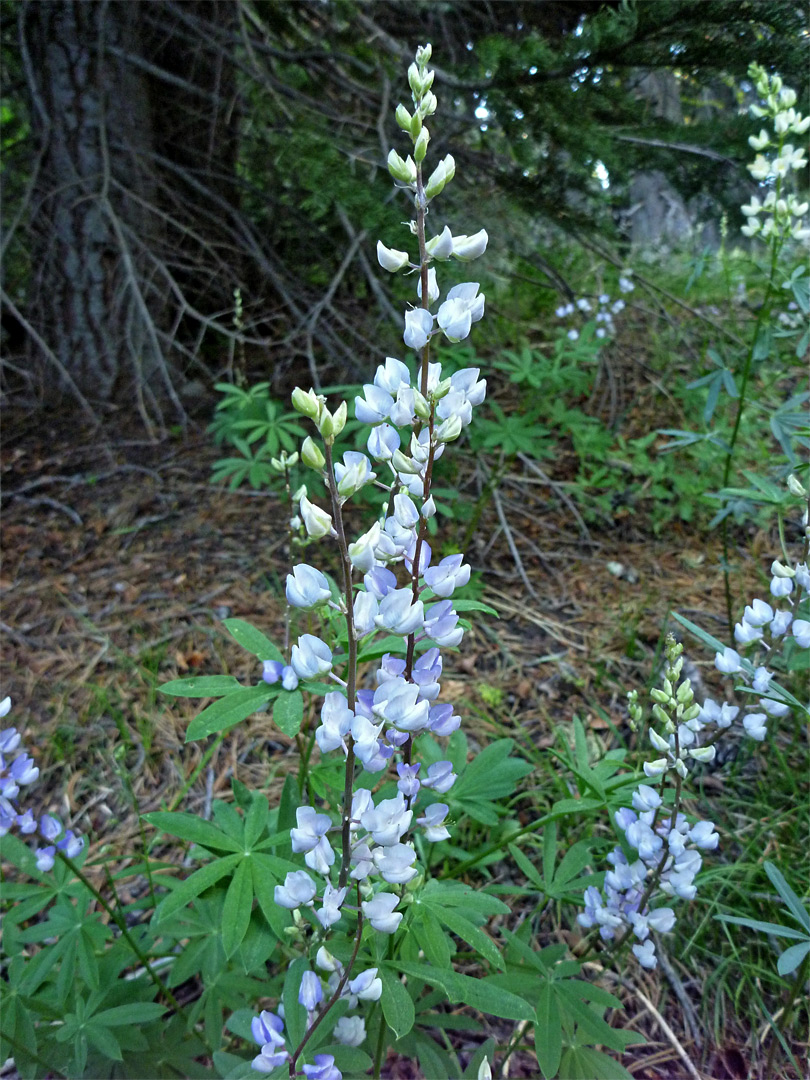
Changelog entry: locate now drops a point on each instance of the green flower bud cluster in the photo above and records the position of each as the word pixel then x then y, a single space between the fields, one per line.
pixel 313 406
pixel 404 171
pixel 284 462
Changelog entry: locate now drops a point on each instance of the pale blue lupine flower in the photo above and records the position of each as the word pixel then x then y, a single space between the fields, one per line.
pixel 307 586
pixel 380 912
pixel 418 328
pixel 310 657
pixel 324 1068
pixel 298 890
pixel 387 821
pixel 310 993
pixel 366 986
pixel 272 671
pixel 333 899
pixel 350 1031
pixel 440 777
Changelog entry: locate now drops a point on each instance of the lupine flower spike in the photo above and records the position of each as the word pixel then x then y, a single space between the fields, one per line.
pixel 391 585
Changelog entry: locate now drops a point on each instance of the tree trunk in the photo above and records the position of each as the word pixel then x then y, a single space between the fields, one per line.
pixel 91 304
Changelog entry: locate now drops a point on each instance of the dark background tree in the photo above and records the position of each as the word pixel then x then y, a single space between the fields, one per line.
pixel 163 155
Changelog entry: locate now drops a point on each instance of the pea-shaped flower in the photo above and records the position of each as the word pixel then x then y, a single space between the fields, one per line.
pixel 307 587
pixel 310 657
pixel 460 310
pixel 380 912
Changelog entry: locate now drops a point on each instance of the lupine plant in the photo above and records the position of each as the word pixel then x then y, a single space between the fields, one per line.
pixel 778 220
pixel 324 929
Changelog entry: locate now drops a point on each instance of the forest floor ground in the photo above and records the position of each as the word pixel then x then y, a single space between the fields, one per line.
pixel 121 560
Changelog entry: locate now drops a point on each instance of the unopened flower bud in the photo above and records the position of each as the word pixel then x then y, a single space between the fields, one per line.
pixel 685 695
pixel 438 178
pixel 403 171
pixel 659 714
pixel 703 754
pixel 442 390
pixel 311 454
pixel 403 118
pixel 781 571
pixel 421 406
pixel 428 105
pixel 795 486
pixel 421 145
pixel 404 464
pixel 450 429
pixel 423 54
pixel 661 696
pixel 307 402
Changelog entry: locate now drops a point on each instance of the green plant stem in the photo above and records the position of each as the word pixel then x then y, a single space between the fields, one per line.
pixel 119 921
pixel 51 1070
pixel 762 316
pixel 795 991
pixel 351 673
pixel 380 1050
pixel 338 989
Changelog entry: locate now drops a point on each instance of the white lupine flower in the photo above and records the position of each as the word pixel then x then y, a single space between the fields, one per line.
pixel 329 913
pixel 380 912
pixel 758 613
pixel 307 587
pixel 728 661
pixel 418 328
pixel 366 986
pixel 467 248
pixel 744 633
pixel 462 307
pixel 310 657
pixel 645 954
pixel 350 1031
pixel 754 724
pixel 375 407
pixel 395 863
pixel 781 586
pixel 433 822
pixel 316 521
pixel 433 287
pixel 441 246
pixel 388 821
pixel 298 890
pixel 801 633
pixel 399 614
pixel 390 259
pixel 336 722
pixel 392 376
pixel 759 142
pixel 361 551
pixel 398 702
pixel 366 739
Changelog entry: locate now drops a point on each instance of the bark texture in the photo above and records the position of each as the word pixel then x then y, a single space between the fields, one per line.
pixel 94 309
